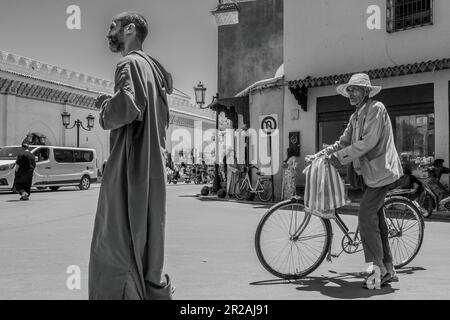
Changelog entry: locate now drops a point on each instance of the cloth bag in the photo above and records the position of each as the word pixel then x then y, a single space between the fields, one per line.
pixel 324 189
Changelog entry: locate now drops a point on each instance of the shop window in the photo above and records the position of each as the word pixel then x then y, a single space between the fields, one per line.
pixel 407 14
pixel 414 140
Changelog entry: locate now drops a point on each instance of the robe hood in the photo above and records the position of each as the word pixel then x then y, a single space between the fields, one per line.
pixel 162 77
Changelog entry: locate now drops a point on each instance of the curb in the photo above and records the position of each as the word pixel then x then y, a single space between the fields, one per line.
pixel 216 198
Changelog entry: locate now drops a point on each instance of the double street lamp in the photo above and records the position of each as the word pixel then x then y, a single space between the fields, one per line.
pixel 66 122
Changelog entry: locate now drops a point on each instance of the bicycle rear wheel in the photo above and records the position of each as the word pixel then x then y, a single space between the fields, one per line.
pixel 265 191
pixel 406 228
pixel 290 243
pixel 242 189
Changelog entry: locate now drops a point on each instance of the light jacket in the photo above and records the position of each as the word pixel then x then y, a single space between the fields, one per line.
pixel 374 146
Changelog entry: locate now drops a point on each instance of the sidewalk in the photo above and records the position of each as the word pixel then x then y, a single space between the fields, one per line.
pixel 351 208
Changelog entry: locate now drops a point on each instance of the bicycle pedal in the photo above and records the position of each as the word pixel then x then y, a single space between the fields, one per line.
pixel 334 255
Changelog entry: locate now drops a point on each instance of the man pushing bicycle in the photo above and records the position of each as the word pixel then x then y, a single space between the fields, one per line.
pixel 367 144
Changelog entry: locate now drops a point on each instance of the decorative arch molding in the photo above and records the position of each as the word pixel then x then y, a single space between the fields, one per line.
pixel 41 92
pixel 39 126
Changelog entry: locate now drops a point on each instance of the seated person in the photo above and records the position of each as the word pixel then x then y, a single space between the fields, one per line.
pixel 409 181
pixel 436 171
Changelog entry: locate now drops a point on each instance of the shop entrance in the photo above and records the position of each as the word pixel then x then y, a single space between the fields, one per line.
pixel 411 110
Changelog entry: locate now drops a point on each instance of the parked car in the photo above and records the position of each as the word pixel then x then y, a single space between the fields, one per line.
pixel 55 167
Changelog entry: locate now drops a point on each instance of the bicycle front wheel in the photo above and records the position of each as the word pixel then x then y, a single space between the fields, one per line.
pixel 265 190
pixel 291 243
pixel 405 230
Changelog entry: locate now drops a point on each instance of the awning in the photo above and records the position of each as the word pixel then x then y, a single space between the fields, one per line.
pixel 232 107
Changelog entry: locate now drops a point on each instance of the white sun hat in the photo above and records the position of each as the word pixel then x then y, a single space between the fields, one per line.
pixel 361 80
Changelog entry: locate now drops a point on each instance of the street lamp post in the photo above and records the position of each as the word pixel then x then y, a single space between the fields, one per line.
pixel 66 122
pixel 199 91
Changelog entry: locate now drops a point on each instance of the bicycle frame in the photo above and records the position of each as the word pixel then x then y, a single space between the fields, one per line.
pixel 352 237
pixel 258 185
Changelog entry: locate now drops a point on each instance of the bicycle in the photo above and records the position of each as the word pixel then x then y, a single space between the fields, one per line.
pixel 287 228
pixel 263 186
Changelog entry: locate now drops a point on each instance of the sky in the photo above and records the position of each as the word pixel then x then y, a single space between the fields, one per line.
pixel 183 36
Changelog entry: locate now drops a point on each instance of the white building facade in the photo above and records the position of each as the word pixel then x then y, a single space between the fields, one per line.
pixel 325 42
pixel 33 95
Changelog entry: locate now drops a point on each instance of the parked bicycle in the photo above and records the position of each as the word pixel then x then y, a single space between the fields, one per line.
pixel 291 242
pixel 436 196
pixel 263 186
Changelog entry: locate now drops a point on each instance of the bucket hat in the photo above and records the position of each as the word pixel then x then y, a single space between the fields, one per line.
pixel 361 80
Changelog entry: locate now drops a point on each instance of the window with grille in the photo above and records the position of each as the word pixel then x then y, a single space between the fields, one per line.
pixel 407 14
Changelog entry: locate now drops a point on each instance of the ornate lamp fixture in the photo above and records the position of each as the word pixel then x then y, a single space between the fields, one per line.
pixel 227 12
pixel 200 90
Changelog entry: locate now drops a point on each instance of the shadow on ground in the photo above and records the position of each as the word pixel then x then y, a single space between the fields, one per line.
pixel 346 285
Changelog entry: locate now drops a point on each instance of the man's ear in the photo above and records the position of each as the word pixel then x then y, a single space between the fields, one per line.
pixel 131 28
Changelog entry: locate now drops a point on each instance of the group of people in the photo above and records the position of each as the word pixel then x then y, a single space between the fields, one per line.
pixel 181 172
pixel 127 250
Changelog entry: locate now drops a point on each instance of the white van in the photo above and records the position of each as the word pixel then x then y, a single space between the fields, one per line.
pixel 55 167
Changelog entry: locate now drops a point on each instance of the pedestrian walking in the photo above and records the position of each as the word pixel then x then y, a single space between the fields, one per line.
pixel 127 249
pixel 23 179
pixel 289 175
pixel 367 145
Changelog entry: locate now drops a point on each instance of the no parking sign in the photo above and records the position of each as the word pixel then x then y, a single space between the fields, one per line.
pixel 269 123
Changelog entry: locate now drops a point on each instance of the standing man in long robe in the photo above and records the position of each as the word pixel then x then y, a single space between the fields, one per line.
pixel 24 172
pixel 127 250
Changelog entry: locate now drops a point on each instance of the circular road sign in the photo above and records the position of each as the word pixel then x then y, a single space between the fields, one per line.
pixel 268 124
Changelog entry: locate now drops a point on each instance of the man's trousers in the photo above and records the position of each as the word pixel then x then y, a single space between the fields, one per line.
pixel 373 227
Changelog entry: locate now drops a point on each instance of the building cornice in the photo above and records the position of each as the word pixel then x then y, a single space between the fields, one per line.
pixel 25 77
pixel 45 93
pixel 387 72
pixel 30 68
pixel 299 88
pixel 191 114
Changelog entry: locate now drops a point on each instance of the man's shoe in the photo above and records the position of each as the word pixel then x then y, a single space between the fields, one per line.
pixel 391 278
pixel 373 281
pixel 25 196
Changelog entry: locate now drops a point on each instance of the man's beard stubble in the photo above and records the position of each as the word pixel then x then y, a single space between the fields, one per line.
pixel 115 45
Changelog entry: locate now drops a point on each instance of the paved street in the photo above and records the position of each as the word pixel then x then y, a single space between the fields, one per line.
pixel 209 252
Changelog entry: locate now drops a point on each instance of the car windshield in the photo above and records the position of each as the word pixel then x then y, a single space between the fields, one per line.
pixel 10 153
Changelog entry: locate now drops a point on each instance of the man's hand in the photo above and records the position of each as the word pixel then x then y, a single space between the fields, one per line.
pixel 334 161
pixel 309 159
pixel 100 99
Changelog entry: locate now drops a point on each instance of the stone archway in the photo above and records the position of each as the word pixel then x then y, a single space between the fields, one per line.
pixel 38 129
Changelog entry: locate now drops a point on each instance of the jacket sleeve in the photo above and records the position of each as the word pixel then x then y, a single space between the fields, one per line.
pixel 343 141
pixel 372 130
pixel 121 109
pixel 33 161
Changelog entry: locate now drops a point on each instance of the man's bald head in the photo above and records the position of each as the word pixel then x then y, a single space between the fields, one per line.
pixel 139 21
